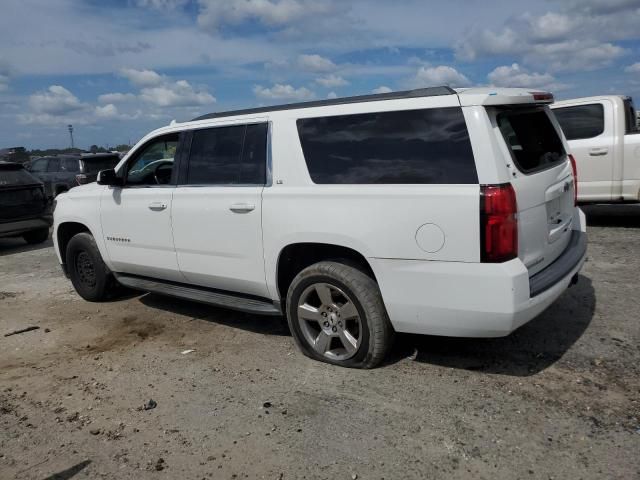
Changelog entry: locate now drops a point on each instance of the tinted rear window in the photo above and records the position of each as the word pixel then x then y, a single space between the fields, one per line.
pixel 534 143
pixel 581 121
pixel 16 176
pixel 406 147
pixel 630 116
pixel 94 165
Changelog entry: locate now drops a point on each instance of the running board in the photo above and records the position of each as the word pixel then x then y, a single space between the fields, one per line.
pixel 199 294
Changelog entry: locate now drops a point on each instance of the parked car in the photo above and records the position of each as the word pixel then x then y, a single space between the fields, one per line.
pixel 604 138
pixel 356 217
pixel 24 208
pixel 63 172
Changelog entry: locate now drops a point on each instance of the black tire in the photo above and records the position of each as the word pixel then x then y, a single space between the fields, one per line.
pixel 375 330
pixel 36 236
pixel 88 273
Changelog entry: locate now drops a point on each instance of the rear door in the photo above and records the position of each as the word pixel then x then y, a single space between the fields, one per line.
pixel 588 128
pixel 217 209
pixel 543 181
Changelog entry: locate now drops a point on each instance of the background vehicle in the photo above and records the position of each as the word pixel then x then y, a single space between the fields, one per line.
pixel 431 211
pixel 24 208
pixel 604 138
pixel 63 172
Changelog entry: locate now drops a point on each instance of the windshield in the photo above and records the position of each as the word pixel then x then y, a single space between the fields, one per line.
pixel 94 165
pixel 534 142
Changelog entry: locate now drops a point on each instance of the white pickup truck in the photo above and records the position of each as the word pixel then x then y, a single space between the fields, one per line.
pixel 603 136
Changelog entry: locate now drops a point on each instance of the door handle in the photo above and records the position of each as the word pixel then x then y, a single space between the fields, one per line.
pixel 157 206
pixel 596 152
pixel 242 207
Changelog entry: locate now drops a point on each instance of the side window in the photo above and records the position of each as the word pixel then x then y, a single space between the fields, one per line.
pixel 581 121
pixel 254 155
pixel 405 147
pixel 54 165
pixel 70 165
pixel 233 155
pixel 630 117
pixel 153 164
pixel 39 165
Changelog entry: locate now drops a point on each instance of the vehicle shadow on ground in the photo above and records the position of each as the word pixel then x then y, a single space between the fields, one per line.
pixel 267 325
pixel 69 472
pixel 626 216
pixel 11 246
pixel 529 350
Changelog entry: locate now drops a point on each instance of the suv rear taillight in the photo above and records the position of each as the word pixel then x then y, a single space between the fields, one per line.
pixel 498 223
pixel 81 179
pixel 574 167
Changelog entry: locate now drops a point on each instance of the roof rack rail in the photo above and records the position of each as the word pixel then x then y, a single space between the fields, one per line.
pixel 420 92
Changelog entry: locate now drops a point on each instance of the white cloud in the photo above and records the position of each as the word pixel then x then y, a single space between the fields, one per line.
pixel 332 95
pixel 116 97
pixel 142 78
pixel 315 63
pixel 56 100
pixel 382 89
pixel 160 91
pixel 107 111
pixel 516 76
pixel 635 68
pixel 579 37
pixel 283 92
pixel 331 81
pixel 216 13
pixel 4 82
pixel 178 94
pixel 440 75
pixel 162 4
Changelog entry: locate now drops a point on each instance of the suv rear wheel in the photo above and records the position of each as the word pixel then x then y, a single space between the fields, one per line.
pixel 36 236
pixel 336 315
pixel 88 273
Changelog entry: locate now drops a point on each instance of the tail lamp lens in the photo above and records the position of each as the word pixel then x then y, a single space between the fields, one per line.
pixel 498 223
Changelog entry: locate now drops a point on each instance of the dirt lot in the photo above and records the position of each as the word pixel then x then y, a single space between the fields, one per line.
pixel 560 398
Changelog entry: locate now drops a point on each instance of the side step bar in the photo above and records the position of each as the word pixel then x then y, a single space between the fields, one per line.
pixel 199 294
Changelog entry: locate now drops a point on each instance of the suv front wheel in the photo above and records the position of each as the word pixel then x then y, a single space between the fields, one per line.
pixel 336 315
pixel 88 273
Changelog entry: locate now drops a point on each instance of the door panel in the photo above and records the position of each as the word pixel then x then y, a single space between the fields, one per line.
pixel 218 237
pixel 595 160
pixel 136 224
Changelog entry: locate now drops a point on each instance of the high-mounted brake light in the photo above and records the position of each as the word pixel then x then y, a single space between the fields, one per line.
pixel 498 223
pixel 574 168
pixel 542 97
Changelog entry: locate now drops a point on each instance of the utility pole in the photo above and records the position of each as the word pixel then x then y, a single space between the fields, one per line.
pixel 71 134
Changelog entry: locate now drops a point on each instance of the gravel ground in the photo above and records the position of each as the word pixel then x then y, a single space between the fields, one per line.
pixel 557 399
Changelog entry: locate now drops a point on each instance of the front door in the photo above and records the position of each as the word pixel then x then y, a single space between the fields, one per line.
pixel 217 209
pixel 136 218
pixel 589 131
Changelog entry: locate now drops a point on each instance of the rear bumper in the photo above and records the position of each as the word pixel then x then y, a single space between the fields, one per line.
pixel 473 299
pixel 18 227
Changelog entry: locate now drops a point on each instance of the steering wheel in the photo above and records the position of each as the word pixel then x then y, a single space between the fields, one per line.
pixel 156 170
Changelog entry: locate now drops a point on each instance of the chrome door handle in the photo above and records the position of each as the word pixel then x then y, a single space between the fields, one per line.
pixel 596 152
pixel 157 206
pixel 242 207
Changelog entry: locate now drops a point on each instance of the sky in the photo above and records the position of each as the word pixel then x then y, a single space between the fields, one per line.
pixel 117 69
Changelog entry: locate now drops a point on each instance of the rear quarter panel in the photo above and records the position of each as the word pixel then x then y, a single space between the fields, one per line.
pixel 379 221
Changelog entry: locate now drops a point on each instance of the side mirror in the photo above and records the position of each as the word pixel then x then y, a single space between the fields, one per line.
pixel 109 177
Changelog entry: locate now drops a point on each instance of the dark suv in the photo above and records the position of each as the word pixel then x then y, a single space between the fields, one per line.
pixel 25 210
pixel 62 172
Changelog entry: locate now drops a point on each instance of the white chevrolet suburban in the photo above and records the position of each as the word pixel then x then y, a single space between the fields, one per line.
pixel 604 138
pixel 431 211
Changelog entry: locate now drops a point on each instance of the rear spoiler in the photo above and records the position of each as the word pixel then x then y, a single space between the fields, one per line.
pixel 503 96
